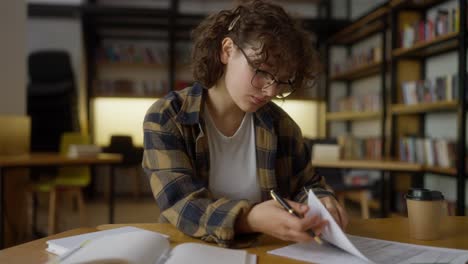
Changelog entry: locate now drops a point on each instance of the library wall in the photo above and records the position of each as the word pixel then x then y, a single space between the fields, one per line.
pixel 13 54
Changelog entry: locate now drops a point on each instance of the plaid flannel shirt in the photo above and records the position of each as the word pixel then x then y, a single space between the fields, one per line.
pixel 176 160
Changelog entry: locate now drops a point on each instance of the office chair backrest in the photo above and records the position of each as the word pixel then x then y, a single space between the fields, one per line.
pixel 52 103
pixel 123 144
pixel 48 66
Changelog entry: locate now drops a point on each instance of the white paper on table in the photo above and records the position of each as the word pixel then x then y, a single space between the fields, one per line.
pixel 379 251
pixel 367 249
pixel 332 232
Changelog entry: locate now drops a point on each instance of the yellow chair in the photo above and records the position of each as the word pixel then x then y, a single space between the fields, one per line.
pixel 69 180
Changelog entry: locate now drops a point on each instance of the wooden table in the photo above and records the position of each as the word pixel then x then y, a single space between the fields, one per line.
pixel 396 229
pixel 55 159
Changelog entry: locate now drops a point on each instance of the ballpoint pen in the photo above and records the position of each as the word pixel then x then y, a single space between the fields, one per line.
pixel 290 210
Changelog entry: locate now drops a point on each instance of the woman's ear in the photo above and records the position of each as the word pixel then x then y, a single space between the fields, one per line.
pixel 227 47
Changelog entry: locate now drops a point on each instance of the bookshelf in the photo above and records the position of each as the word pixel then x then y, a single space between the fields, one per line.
pixel 441 44
pixel 409 66
pixel 350 116
pixel 354 107
pixel 400 116
pixel 358 72
pixel 399 109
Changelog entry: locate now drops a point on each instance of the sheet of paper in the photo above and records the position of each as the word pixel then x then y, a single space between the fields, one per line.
pixel 388 252
pixel 136 247
pixel 332 233
pixel 315 253
pixel 379 251
pixel 61 245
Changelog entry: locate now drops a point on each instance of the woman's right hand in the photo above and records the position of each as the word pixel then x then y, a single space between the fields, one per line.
pixel 270 218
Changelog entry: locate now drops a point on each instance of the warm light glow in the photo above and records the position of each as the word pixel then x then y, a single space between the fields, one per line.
pixel 305 113
pixel 123 116
pixel 114 116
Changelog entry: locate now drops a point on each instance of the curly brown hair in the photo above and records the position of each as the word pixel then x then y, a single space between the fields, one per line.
pixel 282 39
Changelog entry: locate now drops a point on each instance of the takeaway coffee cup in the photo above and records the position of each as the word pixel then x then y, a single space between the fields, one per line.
pixel 425 211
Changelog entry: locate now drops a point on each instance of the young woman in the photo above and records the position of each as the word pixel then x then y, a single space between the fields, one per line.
pixel 214 151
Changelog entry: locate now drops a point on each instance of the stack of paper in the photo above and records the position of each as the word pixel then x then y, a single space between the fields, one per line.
pixel 342 248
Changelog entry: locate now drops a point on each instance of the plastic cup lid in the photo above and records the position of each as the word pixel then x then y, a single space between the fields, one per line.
pixel 422 194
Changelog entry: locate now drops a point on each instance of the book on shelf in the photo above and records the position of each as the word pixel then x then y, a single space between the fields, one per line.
pixel 139 246
pixel 428 151
pixel 358 103
pixel 360 148
pixel 129 52
pixel 130 87
pixel 444 22
pixel 358 60
pixel 439 89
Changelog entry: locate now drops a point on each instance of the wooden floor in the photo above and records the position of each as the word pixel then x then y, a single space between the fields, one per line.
pixel 127 210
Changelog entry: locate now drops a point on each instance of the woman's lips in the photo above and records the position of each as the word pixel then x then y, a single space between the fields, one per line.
pixel 258 101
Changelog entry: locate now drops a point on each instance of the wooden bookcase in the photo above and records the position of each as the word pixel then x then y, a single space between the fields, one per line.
pixel 398 118
pixel 374 23
pixel 409 64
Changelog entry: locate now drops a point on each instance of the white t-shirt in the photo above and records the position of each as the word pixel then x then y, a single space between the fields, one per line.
pixel 233 163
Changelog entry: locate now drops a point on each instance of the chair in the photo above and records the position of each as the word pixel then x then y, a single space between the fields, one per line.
pixel 123 144
pixel 69 180
pixel 51 96
pixel 335 179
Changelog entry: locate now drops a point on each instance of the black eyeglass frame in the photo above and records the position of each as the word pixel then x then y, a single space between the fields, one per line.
pixel 289 83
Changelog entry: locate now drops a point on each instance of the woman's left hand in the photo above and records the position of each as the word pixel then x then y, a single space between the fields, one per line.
pixel 335 209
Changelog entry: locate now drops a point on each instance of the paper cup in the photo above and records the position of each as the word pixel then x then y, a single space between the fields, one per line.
pixel 425 212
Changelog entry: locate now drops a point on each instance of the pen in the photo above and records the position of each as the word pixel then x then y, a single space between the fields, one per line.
pixel 290 210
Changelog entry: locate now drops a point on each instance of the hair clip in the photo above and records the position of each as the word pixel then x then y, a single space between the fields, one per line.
pixel 233 23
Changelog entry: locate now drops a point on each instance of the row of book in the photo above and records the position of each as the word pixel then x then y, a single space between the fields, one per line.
pixel 444 22
pixel 428 151
pixel 131 87
pixel 443 88
pixel 126 87
pixel 358 178
pixel 133 53
pixel 372 55
pixel 368 102
pixel 360 148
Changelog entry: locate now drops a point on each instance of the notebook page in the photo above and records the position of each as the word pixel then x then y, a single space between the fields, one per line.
pixel 315 253
pixel 195 253
pixel 61 245
pixel 138 247
pixel 332 232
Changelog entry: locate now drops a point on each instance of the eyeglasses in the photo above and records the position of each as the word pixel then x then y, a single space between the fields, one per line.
pixel 263 79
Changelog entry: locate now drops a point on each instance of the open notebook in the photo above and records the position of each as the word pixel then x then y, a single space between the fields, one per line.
pixel 61 245
pixel 342 248
pixel 146 247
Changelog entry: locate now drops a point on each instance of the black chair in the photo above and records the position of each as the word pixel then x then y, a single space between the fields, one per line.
pixel 123 144
pixel 335 179
pixel 51 99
